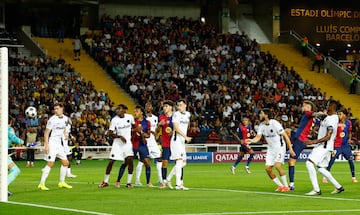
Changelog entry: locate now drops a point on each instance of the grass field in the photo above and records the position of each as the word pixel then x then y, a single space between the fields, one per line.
pixel 213 190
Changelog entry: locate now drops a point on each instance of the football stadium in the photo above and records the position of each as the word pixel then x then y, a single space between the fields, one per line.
pixel 201 107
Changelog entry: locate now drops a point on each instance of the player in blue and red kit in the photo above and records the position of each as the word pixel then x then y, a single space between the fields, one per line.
pixel 341 144
pixel 165 128
pixel 300 136
pixel 244 132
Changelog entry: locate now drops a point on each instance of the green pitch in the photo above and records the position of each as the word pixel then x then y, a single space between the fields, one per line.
pixel 213 190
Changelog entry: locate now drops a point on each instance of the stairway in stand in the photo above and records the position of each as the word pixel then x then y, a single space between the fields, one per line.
pixel 89 69
pixel 289 56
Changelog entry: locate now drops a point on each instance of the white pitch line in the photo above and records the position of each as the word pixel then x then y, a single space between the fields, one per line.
pixel 274 212
pixel 57 208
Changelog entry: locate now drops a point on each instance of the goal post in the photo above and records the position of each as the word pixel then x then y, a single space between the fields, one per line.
pixel 4 123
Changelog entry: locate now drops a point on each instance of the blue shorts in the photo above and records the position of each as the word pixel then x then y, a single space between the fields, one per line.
pixel 345 151
pixel 244 148
pixel 298 147
pixel 144 152
pixel 136 153
pixel 165 155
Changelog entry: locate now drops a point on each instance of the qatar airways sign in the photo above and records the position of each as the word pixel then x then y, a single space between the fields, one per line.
pixel 219 157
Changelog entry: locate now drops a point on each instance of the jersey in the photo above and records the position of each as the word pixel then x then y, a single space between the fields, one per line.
pixel 57 126
pixel 153 122
pixel 183 120
pixel 165 134
pixel 122 127
pixel 145 128
pixel 244 132
pixel 342 134
pixel 329 123
pixel 273 134
pixel 303 132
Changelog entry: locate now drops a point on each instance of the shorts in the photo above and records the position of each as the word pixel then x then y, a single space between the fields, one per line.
pixel 143 152
pixel 67 147
pixel 120 151
pixel 154 151
pixel 320 156
pixel 344 150
pixel 177 149
pixel 165 155
pixel 298 147
pixel 275 156
pixel 56 150
pixel 244 148
pixel 136 153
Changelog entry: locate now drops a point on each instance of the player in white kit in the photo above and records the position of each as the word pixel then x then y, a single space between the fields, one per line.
pixel 277 140
pixel 321 154
pixel 53 146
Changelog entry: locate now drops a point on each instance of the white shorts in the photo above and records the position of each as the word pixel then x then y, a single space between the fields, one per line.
pixel 67 147
pixel 177 149
pixel 274 156
pixel 55 150
pixel 320 156
pixel 120 151
pixel 154 151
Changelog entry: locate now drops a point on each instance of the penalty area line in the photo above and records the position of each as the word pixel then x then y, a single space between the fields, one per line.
pixel 57 208
pixel 274 212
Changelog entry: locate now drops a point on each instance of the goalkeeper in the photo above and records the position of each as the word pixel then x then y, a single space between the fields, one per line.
pixel 13 169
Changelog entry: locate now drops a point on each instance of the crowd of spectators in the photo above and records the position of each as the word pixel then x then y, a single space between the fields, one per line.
pixel 224 77
pixel 40 82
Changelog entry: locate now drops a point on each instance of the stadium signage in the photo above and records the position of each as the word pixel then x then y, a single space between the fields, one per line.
pixel 199 157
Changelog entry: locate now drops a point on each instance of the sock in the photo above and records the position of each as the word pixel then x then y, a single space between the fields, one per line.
pixel 159 171
pixel 249 160
pixel 45 174
pixel 329 176
pixel 138 171
pixel 171 174
pixel 164 173
pixel 178 171
pixel 312 174
pixel 277 181
pixel 291 175
pixel 68 172
pixel 129 179
pixel 148 174
pixel 121 172
pixel 237 161
pixel 63 170
pixel 13 173
pixel 284 180
pixel 332 161
pixel 352 168
pixel 28 162
pixel 106 178
pixel 182 175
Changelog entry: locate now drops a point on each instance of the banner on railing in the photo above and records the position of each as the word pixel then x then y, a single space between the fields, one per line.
pixel 199 157
pixel 220 157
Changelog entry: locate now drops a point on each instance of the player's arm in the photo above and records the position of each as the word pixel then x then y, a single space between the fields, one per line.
pixel 256 139
pixel 179 132
pixel 324 139
pixel 114 135
pixel 46 140
pixel 288 143
pixel 15 139
pixel 349 132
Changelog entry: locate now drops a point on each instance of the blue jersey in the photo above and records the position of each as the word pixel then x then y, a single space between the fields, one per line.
pixel 342 134
pixel 145 126
pixel 12 138
pixel 305 126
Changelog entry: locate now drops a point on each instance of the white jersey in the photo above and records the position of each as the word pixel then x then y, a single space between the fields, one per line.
pixel 57 125
pixel 329 123
pixel 153 123
pixel 122 127
pixel 183 120
pixel 272 133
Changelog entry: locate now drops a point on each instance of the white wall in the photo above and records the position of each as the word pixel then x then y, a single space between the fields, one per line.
pixel 136 10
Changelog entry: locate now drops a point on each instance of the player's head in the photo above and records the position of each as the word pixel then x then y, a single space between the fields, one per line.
pixel 139 112
pixel 181 105
pixel 148 107
pixel 308 106
pixel 332 107
pixel 121 109
pixel 265 114
pixel 342 113
pixel 168 106
pixel 58 109
pixel 245 121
